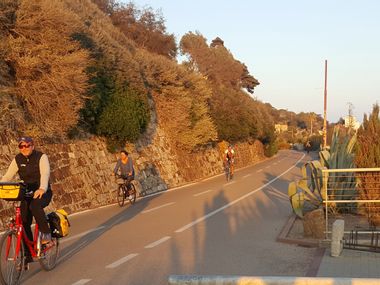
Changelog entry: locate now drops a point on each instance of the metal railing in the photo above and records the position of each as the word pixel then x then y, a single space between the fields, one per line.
pixel 354 192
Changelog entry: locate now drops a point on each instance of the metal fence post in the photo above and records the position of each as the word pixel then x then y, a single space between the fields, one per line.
pixel 325 177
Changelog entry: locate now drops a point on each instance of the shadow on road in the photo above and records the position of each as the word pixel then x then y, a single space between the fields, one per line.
pixel 241 238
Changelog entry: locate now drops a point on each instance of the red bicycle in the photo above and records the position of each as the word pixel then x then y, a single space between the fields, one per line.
pixel 13 241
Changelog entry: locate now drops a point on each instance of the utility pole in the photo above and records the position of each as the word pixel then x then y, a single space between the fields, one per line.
pixel 325 111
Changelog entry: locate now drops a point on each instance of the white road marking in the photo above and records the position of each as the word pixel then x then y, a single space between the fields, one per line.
pixel 229 183
pixel 122 260
pixel 201 219
pixel 156 208
pixel 204 192
pixel 245 176
pixel 81 234
pixel 259 170
pixel 153 244
pixel 82 281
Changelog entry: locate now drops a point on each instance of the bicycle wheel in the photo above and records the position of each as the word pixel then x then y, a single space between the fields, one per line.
pixel 120 195
pixel 49 254
pixel 11 262
pixel 228 172
pixel 132 192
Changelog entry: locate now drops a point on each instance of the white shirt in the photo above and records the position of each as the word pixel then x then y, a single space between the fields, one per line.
pixel 44 171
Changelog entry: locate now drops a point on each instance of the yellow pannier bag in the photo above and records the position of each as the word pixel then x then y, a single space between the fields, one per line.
pixel 59 223
pixel 11 191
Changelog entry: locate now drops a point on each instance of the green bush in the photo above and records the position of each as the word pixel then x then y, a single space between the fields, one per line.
pixel 270 141
pixel 124 118
pixel 101 84
pixel 101 90
pixel 270 149
pixel 315 142
pixel 235 115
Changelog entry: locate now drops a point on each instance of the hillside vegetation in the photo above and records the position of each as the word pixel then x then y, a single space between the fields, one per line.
pixel 79 67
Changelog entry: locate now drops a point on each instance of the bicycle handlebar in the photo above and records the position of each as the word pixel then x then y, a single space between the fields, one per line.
pixel 23 187
pixel 121 176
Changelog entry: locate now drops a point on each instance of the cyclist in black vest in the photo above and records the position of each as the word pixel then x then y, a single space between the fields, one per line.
pixel 33 168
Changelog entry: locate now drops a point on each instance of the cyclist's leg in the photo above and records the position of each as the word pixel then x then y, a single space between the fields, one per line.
pixel 27 218
pixel 37 208
pixel 128 181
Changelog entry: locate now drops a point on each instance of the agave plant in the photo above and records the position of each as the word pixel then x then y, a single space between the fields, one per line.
pixel 310 187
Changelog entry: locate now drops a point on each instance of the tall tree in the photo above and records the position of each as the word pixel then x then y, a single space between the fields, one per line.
pixel 235 113
pixel 216 62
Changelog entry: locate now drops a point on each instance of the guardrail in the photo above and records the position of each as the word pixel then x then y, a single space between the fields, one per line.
pixel 351 191
pixel 268 280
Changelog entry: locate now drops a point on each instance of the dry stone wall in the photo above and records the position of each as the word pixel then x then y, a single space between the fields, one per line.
pixel 80 171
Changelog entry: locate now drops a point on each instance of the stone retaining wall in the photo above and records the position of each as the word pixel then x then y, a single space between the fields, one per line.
pixel 80 171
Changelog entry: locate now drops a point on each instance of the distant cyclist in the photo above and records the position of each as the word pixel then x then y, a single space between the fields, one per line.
pixel 229 158
pixel 308 146
pixel 125 165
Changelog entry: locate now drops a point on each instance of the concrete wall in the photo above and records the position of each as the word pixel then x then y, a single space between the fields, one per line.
pixel 80 170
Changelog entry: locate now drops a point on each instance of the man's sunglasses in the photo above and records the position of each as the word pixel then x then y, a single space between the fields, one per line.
pixel 24 146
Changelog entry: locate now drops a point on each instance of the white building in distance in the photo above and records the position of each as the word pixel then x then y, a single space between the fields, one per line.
pixel 280 128
pixel 350 121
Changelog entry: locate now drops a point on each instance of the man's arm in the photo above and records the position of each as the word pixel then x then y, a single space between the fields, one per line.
pixel 11 172
pixel 44 177
pixel 45 172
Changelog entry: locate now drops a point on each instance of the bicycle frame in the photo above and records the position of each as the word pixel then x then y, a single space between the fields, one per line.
pixel 33 246
pixel 125 181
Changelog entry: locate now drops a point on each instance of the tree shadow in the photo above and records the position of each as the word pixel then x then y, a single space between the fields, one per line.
pixel 241 240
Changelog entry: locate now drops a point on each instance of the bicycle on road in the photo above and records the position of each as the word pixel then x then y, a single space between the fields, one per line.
pixel 228 168
pixel 13 241
pixel 126 190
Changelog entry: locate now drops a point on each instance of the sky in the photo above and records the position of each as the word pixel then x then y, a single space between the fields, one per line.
pixel 285 44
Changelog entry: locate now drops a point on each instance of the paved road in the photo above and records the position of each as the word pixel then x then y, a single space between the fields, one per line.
pixel 211 227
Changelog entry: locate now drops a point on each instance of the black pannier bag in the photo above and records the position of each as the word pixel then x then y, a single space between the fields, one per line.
pixel 59 223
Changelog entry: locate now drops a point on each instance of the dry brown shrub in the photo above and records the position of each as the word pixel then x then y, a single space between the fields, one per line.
pixel 50 68
pixel 119 50
pixel 7 21
pixel 181 101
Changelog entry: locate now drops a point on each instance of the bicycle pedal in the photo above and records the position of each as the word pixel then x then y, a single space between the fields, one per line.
pixel 21 267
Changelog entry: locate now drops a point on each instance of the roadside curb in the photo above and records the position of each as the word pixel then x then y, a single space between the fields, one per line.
pixel 283 236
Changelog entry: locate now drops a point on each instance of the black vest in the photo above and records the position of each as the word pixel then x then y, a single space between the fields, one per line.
pixel 29 169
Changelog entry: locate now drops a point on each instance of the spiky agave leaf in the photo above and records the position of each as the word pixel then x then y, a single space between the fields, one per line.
pixel 297 202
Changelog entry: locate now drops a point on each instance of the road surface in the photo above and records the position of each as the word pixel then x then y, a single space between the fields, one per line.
pixel 210 227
